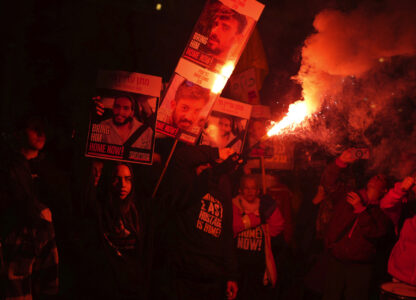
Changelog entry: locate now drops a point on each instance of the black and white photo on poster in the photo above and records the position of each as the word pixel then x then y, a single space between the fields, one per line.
pixel 221 33
pixel 184 109
pixel 227 125
pixel 122 124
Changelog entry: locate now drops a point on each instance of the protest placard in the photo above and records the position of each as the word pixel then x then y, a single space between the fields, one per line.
pixel 184 110
pixel 227 125
pixel 221 33
pixel 243 86
pixel 122 123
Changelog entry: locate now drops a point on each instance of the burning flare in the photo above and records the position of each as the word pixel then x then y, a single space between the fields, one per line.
pixel 222 78
pixel 298 111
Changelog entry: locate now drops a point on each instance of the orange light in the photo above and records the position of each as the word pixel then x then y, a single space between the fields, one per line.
pixel 222 78
pixel 298 111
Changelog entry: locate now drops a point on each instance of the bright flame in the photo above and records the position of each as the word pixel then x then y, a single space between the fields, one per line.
pixel 298 111
pixel 228 69
pixel 219 84
pixel 222 78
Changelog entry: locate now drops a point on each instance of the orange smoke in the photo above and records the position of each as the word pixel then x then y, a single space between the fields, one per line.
pixel 347 48
pixel 352 44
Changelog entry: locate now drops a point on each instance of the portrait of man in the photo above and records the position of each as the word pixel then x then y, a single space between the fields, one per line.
pixel 184 109
pixel 226 31
pixel 187 105
pixel 124 128
pixel 257 130
pixel 222 133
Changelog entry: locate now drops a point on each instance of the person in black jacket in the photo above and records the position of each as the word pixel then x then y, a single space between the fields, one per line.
pixel 199 203
pixel 115 249
pixel 355 237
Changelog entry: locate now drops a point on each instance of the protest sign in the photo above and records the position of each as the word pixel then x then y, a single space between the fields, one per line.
pixel 227 125
pixel 278 155
pixel 221 33
pixel 122 124
pixel 243 86
pixel 207 62
pixel 184 110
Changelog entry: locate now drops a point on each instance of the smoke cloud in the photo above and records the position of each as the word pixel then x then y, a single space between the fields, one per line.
pixel 358 76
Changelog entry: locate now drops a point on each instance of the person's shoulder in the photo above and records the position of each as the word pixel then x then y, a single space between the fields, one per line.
pixel 136 123
pixel 237 202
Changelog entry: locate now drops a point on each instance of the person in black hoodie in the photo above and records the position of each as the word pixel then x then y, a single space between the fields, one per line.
pixel 357 235
pixel 28 252
pixel 116 253
pixel 198 198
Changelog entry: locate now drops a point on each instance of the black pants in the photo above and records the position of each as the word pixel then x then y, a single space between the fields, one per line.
pixel 250 286
pixel 349 281
pixel 192 289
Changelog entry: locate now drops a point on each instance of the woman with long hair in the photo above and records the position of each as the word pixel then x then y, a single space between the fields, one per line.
pixel 123 237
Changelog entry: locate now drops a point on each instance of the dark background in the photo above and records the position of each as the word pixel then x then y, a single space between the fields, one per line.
pixel 51 50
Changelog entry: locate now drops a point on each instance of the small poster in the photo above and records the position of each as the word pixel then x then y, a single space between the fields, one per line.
pixel 227 125
pixel 243 86
pixel 260 116
pixel 278 155
pixel 122 124
pixel 221 33
pixel 258 147
pixel 184 110
pixel 261 112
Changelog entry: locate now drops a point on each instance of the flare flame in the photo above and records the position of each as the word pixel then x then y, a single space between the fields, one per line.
pixel 222 78
pixel 297 113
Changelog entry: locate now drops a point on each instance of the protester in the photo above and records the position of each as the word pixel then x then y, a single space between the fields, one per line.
pixel 336 181
pixel 115 249
pixel 355 236
pixel 257 130
pixel 87 184
pixel 281 193
pixel 392 204
pixel 255 221
pixel 96 170
pixel 197 198
pixel 51 184
pixel 402 262
pixel 28 253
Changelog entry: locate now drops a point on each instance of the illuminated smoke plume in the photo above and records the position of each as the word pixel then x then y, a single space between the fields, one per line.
pixel 358 76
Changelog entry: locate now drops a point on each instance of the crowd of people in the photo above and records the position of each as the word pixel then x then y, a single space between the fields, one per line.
pixel 99 230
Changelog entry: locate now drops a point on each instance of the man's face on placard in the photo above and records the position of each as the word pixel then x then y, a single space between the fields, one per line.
pixel 186 112
pixel 122 110
pixel 224 126
pixel 223 35
pixel 257 130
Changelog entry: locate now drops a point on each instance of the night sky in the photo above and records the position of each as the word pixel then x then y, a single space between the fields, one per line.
pixel 51 51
